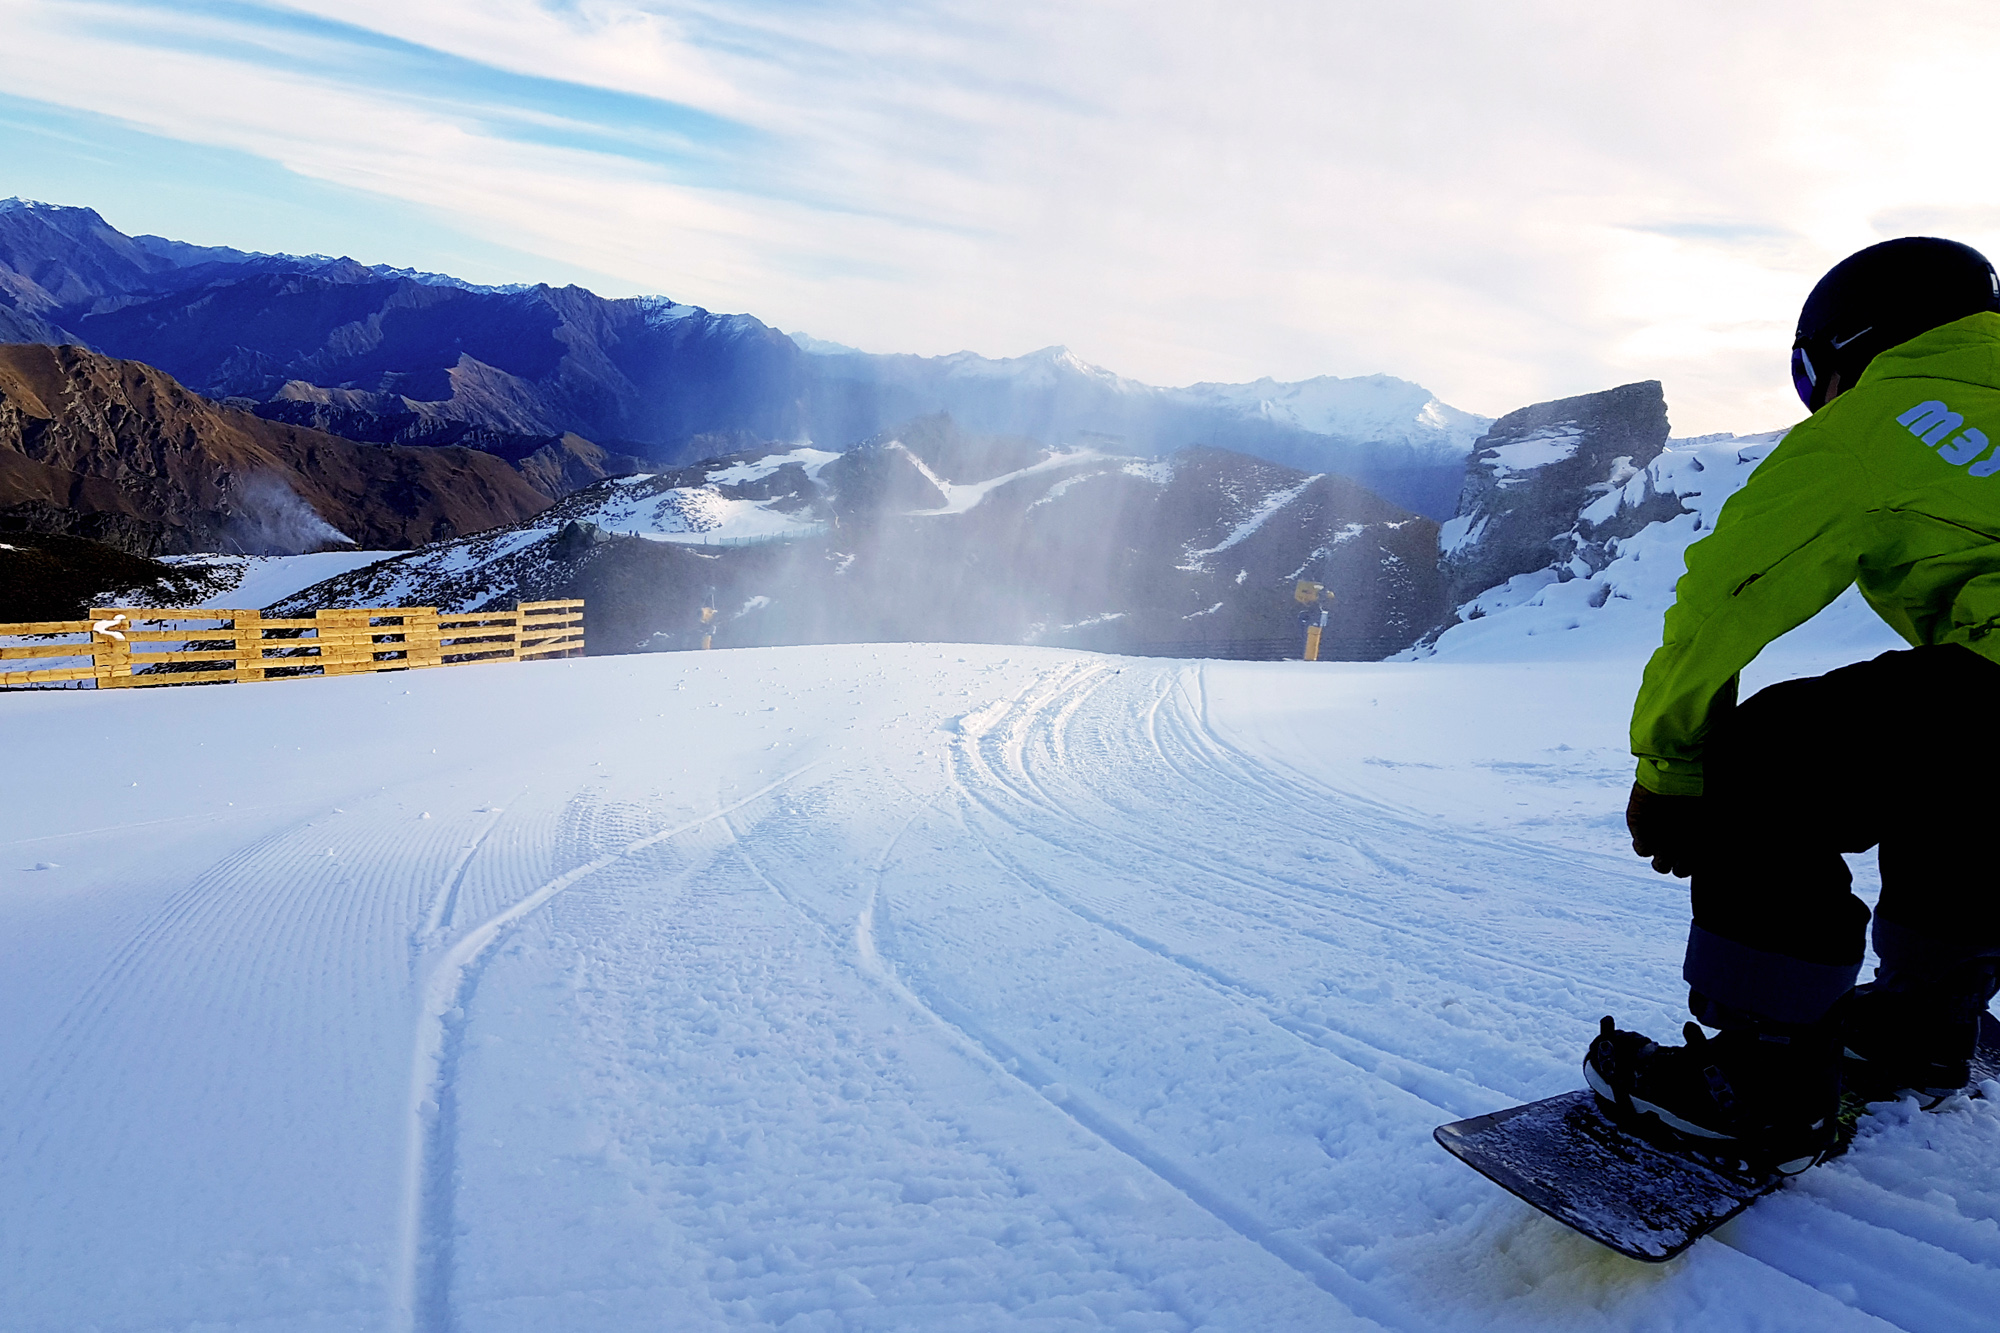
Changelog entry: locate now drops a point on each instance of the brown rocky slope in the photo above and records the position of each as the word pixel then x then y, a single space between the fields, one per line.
pixel 120 452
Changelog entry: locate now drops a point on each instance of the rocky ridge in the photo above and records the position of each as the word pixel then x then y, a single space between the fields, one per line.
pixel 120 452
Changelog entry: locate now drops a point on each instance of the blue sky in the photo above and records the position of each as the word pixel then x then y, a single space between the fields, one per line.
pixel 1503 202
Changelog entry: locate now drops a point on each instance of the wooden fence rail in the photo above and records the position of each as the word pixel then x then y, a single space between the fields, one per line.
pixel 118 647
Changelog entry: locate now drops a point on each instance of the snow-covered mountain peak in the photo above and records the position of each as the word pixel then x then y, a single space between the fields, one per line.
pixel 821 346
pixel 660 311
pixel 1045 367
pixel 1374 407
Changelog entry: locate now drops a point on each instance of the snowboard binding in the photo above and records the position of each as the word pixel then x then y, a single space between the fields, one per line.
pixel 1686 1100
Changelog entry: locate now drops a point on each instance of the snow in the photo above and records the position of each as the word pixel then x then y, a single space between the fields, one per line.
pixel 962 496
pixel 1160 472
pixel 660 312
pixel 261 580
pixel 1530 452
pixel 807 457
pixel 1272 503
pixel 864 987
pixel 698 514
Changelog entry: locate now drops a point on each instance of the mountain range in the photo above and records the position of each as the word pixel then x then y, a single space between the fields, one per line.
pixel 400 356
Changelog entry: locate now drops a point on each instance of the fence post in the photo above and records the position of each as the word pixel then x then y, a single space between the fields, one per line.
pixel 422 643
pixel 548 629
pixel 111 651
pixel 249 630
pixel 334 626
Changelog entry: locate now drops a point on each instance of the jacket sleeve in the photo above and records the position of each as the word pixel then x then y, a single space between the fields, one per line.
pixel 1783 547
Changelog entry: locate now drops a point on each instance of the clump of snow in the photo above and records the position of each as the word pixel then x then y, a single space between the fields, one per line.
pixel 756 469
pixel 1531 452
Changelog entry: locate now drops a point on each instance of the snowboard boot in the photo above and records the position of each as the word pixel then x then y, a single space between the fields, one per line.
pixel 1899 1041
pixel 1770 1098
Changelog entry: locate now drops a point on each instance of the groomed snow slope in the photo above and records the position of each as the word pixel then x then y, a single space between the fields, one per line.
pixel 868 988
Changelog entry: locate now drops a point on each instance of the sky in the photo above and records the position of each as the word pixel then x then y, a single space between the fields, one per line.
pixel 1504 203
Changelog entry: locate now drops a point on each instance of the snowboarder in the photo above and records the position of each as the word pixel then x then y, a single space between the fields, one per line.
pixel 1893 483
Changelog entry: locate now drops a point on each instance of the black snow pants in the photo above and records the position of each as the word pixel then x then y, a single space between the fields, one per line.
pixel 1901 753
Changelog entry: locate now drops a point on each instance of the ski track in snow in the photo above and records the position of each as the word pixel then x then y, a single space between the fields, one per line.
pixel 869 988
pixel 423 1276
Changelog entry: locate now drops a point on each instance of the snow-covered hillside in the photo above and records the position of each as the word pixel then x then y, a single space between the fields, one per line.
pixel 251 582
pixel 1608 599
pixel 872 988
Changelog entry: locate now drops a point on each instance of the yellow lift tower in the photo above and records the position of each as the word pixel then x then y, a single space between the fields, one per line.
pixel 708 615
pixel 1308 595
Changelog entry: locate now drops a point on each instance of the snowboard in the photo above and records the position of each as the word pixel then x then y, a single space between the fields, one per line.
pixel 1646 1200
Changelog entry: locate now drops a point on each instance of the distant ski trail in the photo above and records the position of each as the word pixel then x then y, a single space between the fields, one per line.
pixel 422 1279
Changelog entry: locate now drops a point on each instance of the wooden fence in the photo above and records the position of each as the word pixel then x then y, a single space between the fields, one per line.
pixel 130 646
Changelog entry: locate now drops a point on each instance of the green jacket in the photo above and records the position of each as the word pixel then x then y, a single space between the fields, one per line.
pixel 1894 485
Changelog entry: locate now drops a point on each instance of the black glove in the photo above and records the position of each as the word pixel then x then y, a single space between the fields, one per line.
pixel 1671 830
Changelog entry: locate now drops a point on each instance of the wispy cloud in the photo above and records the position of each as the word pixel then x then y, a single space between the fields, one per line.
pixel 1504 202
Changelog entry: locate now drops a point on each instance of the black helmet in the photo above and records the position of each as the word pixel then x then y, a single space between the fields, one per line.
pixel 1881 296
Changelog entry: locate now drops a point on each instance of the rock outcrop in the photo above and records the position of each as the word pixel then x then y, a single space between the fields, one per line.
pixel 1531 475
